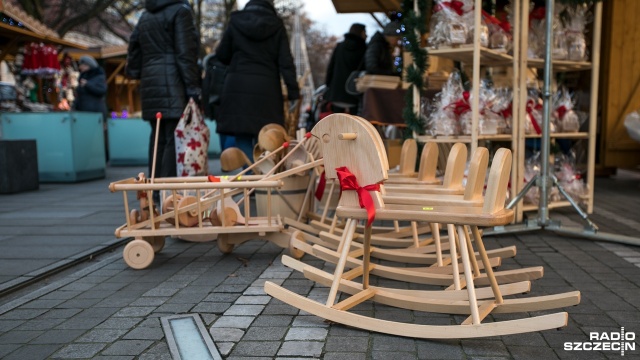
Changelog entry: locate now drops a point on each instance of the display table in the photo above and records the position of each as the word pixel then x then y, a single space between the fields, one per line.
pixel 70 145
pixel 128 141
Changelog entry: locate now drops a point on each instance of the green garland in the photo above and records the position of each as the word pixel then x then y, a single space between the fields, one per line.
pixel 414 74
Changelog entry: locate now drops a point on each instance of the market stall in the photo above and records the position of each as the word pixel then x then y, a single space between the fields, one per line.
pixel 35 101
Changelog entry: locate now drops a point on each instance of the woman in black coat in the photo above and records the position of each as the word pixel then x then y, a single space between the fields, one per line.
pixel 346 57
pixel 255 47
pixel 163 54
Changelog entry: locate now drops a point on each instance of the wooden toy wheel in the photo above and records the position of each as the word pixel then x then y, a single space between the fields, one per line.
pixel 294 251
pixel 167 206
pixel 157 242
pixel 138 254
pixel 188 218
pixel 223 244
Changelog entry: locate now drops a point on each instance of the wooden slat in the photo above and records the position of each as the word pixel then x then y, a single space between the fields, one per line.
pixel 354 300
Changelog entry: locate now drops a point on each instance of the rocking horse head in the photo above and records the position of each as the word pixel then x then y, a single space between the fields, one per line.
pixel 351 142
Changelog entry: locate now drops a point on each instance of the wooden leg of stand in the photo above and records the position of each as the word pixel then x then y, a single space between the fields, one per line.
pixel 414 232
pixel 468 275
pixel 345 244
pixel 454 256
pixel 366 257
pixel 472 254
pixel 435 232
pixel 485 260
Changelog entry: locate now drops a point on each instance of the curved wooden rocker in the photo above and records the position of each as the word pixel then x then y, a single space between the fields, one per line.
pixel 351 143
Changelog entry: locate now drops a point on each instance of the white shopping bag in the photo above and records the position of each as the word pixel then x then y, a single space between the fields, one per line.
pixel 192 142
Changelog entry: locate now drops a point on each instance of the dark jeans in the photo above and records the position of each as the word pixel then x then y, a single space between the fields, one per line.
pixel 246 144
pixel 166 156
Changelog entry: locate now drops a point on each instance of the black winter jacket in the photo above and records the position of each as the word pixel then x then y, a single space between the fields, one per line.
pixel 378 59
pixel 163 54
pixel 346 57
pixel 255 47
pixel 91 96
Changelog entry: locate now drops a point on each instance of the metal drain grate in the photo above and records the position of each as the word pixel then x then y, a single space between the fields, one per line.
pixel 188 338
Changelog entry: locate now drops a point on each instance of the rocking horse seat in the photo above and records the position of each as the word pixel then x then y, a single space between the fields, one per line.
pixel 456 215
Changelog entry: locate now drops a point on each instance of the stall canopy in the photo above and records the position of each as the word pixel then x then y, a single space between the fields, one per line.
pixel 18 26
pixel 366 6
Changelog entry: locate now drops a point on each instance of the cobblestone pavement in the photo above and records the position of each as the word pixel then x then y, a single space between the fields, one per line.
pixel 108 311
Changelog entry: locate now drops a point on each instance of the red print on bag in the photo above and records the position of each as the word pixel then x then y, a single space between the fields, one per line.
pixel 181 158
pixel 195 167
pixel 193 144
pixel 180 134
pixel 184 173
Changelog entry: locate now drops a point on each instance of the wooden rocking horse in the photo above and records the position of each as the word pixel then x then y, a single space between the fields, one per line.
pixel 352 153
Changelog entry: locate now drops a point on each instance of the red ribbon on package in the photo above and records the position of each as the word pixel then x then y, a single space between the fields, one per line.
pixel 454 5
pixel 461 106
pixel 530 106
pixel 321 185
pixel 562 110
pixel 348 181
pixel 507 112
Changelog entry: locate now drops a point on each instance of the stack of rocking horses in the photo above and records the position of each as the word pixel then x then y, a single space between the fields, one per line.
pixel 457 263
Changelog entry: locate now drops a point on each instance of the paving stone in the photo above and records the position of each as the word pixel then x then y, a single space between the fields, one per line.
pixel 42 304
pixel 54 336
pixel 224 348
pixel 383 342
pixel 40 351
pixel 78 351
pixel 127 347
pixel 344 356
pixel 60 294
pixel 253 300
pixel 306 333
pixel 80 323
pixel 102 335
pixel 59 314
pixel 444 349
pixel 272 320
pixel 79 303
pixel 483 347
pixel 226 334
pixel 5 349
pixel 22 314
pixel 301 348
pixel 150 301
pixel 211 307
pixel 238 322
pixel 340 330
pixel 125 323
pixel 159 351
pixel 264 333
pixel 309 321
pixel 173 308
pixel 6 325
pixel 395 355
pixel 161 292
pixel 251 348
pixel 145 333
pixel 351 344
pixel 137 311
pixel 19 337
pixel 244 310
pixel 114 358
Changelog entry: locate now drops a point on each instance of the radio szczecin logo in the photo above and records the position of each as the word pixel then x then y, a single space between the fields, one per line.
pixel 606 341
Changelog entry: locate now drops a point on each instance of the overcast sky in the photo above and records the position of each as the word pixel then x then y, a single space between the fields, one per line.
pixel 324 14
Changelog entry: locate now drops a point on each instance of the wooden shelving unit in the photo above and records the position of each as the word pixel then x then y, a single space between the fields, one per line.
pixel 478 57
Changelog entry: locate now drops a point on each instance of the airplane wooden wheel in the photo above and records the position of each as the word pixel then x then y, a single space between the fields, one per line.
pixel 223 244
pixel 138 254
pixel 157 242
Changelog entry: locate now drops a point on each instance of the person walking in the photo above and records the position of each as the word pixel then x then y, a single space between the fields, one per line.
pixel 163 54
pixel 346 58
pixel 91 92
pixel 255 48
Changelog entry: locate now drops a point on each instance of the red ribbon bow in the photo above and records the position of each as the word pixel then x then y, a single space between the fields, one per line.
pixel 321 185
pixel 348 181
pixel 454 5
